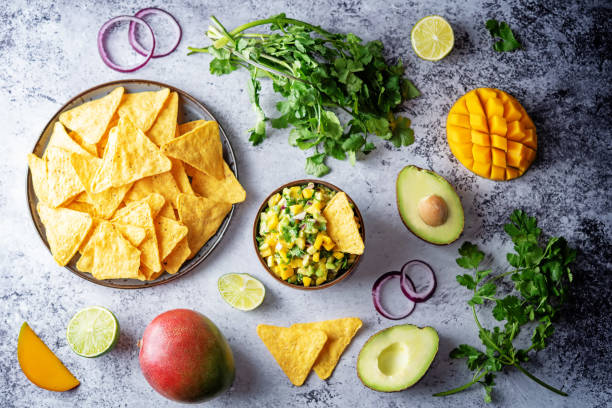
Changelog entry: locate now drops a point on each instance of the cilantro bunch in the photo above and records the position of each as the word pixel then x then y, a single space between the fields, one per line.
pixel 502 30
pixel 318 73
pixel 541 275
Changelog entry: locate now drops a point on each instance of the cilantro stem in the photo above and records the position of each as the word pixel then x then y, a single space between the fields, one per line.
pixel 461 388
pixel 536 379
pixel 277 20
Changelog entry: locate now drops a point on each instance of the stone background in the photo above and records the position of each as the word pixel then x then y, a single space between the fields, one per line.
pixel 48 54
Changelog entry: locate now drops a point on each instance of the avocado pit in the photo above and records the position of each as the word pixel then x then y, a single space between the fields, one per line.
pixel 433 210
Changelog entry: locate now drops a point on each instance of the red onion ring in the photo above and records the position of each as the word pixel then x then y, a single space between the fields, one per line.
pixel 132 32
pixel 376 295
pixel 408 287
pixel 104 54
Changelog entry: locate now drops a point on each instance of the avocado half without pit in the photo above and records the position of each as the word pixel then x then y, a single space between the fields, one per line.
pixel 397 357
pixel 429 205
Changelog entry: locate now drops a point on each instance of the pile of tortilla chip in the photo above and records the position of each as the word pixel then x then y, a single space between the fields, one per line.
pixel 131 190
pixel 305 346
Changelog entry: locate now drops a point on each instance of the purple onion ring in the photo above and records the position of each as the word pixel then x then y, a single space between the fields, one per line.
pixel 376 296
pixel 142 50
pixel 407 284
pixel 104 55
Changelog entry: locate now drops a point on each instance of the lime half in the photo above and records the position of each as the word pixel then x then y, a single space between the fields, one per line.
pixel 241 290
pixel 92 331
pixel 432 38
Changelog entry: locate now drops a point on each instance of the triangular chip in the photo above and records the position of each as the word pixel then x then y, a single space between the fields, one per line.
pixel 339 332
pixel 85 262
pixel 202 217
pixel 143 107
pixel 189 126
pixel 156 202
pixel 341 225
pixel 60 138
pixel 145 274
pixel 141 216
pixel 228 189
pixel 101 145
pixel 169 233
pixel 294 349
pixel 200 148
pixel 164 127
pixel 88 147
pixel 105 202
pixel 132 233
pixel 129 156
pixel 167 211
pixel 163 184
pixel 177 257
pixel 65 230
pixel 38 170
pixel 91 119
pixel 62 180
pixel 180 176
pixel 114 256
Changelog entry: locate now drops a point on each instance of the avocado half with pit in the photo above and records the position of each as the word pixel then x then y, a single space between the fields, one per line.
pixel 397 358
pixel 429 205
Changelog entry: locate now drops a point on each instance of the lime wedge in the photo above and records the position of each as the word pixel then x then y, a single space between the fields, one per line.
pixel 432 38
pixel 92 331
pixel 241 290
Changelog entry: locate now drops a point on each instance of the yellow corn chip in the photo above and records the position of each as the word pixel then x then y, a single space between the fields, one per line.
pixel 164 127
pixel 63 183
pixel 339 332
pixel 38 169
pixel 132 233
pixel 294 349
pixel 182 181
pixel 169 233
pixel 143 107
pixel 200 148
pixel 89 148
pixel 167 211
pixel 60 138
pixel 177 257
pixel 228 189
pixel 82 207
pixel 105 202
pixel 65 230
pixel 91 119
pixel 202 217
pixel 163 184
pixel 140 215
pixel 147 274
pixel 341 225
pixel 101 145
pixel 114 256
pixel 85 262
pixel 189 126
pixel 156 202
pixel 129 156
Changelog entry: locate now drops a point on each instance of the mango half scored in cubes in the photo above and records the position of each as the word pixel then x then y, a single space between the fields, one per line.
pixel 491 134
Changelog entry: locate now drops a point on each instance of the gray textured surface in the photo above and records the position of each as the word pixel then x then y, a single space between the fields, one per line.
pixel 48 54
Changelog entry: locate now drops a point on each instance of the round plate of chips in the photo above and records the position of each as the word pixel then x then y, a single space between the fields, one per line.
pixel 132 184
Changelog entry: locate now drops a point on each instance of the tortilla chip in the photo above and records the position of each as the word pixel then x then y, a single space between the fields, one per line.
pixel 82 207
pixel 166 211
pixel 38 170
pixel 101 145
pixel 63 183
pixel 341 225
pixel 91 119
pixel 227 189
pixel 60 138
pixel 145 274
pixel 141 215
pixel 294 349
pixel 105 202
pixel 129 156
pixel 132 233
pixel 180 176
pixel 169 233
pixel 339 332
pixel 65 230
pixel 114 256
pixel 156 202
pixel 163 184
pixel 164 127
pixel 143 107
pixel 200 148
pixel 202 217
pixel 189 126
pixel 89 148
pixel 177 257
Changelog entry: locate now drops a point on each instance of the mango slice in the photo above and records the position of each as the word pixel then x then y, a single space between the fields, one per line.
pixel 491 134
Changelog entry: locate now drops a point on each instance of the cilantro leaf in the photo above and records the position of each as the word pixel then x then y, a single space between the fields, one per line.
pixel 471 256
pixel 315 165
pixel 502 30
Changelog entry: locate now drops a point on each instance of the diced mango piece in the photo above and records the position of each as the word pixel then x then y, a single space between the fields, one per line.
pixel 328 244
pixel 482 169
pixel 481 154
pixel 486 94
pixel 300 242
pixel 515 131
pixel 530 138
pixel 458 134
pixel 511 173
pixel 499 158
pixel 499 142
pixel 511 111
pixel 515 153
pixel 307 193
pixel 315 208
pixel 530 154
pixel 460 108
pixel 286 272
pixel 494 107
pixel 318 241
pixel 266 252
pixel 295 192
pixel 498 173
pixel 306 281
pixel 497 125
pixel 321 280
pixel 274 200
pixel 526 121
pixel 296 263
pixel 473 104
pixel 338 255
pixel 296 209
pixel 463 150
pixel 272 221
pixel 315 257
pixel 479 122
pixel 458 120
pixel 480 138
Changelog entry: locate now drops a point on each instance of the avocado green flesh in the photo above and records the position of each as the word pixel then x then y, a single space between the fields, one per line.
pixel 414 184
pixel 396 358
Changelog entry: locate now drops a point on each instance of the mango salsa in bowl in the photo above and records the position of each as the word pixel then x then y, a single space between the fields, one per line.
pixel 308 234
